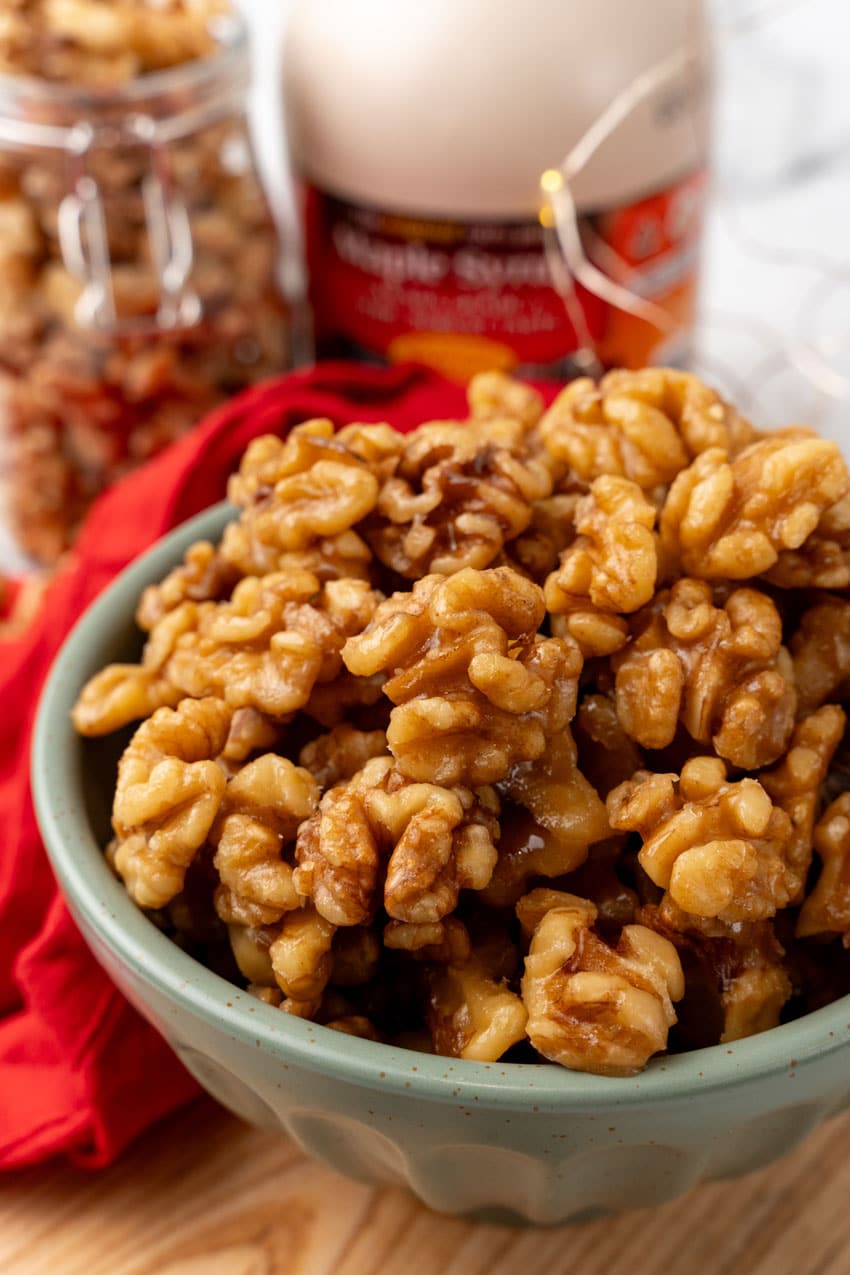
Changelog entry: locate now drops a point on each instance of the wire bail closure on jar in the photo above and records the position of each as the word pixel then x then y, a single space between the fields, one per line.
pixel 84 242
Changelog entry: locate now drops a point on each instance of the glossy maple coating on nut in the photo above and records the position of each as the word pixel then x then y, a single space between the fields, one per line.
pixel 720 670
pixel 119 694
pixel 168 793
pixel 268 645
pixel 720 848
pixel 476 691
pixel 203 576
pixel 301 498
pixel 742 963
pixel 301 956
pixel 261 810
pixel 554 817
pixel 460 493
pixel 646 426
pixel 592 1007
pixel 827 909
pixel 730 519
pixel 433 841
pixel 609 569
pixel 607 755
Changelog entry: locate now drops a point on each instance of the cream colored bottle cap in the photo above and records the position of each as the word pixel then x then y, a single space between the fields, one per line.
pixel 456 107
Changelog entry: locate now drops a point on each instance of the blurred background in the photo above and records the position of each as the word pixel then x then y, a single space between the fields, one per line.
pixel 774 329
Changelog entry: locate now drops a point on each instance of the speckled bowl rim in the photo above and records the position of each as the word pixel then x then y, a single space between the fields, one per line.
pixel 100 901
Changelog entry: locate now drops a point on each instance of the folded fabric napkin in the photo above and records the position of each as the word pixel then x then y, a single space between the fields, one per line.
pixel 80 1072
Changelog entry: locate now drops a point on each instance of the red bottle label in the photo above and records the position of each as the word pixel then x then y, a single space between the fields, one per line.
pixel 464 296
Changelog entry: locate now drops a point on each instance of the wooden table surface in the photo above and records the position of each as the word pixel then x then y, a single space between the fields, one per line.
pixel 205 1195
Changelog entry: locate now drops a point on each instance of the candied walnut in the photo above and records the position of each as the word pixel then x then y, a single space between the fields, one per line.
pixel 795 784
pixel 721 849
pixel 495 396
pixel 460 493
pixel 445 942
pixel 301 498
pixel 556 816
pixel 731 519
pixel 646 425
pixel 607 755
pixel 341 753
pixel 823 561
pixel 260 813
pixel 827 909
pixel 471 1014
pixel 167 795
pixel 721 671
pixel 122 693
pixel 738 966
pixel 119 694
pixel 597 1008
pixel 271 642
pixel 821 653
pixel 301 955
pixel 475 691
pixel 337 851
pixel 610 568
pixel 203 576
pixel 443 842
pixel 435 842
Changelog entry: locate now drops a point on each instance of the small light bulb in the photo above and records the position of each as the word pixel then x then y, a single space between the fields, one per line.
pixel 551 181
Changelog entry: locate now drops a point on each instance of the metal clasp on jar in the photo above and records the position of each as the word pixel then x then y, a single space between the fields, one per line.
pixel 84 239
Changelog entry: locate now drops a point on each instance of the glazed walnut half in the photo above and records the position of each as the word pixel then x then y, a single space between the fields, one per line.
pixel 592 1007
pixel 645 426
pixel 720 670
pixel 476 691
pixel 731 518
pixel 420 844
pixel 609 570
pixel 720 848
pixel 168 793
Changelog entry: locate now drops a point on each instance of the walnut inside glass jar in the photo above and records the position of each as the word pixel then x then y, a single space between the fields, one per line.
pixel 137 262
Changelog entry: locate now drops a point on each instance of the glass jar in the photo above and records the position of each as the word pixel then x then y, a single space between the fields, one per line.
pixel 138 277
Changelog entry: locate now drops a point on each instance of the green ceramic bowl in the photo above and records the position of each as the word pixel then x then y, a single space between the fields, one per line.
pixel 533 1143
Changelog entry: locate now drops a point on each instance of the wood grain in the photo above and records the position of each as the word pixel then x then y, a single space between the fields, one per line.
pixel 205 1195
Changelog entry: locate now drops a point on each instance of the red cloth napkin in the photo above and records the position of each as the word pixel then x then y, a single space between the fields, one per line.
pixel 76 1062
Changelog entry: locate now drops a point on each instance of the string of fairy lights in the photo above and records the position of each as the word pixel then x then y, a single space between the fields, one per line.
pixel 569 263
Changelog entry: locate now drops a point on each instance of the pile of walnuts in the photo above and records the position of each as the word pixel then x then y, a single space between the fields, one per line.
pixel 519 735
